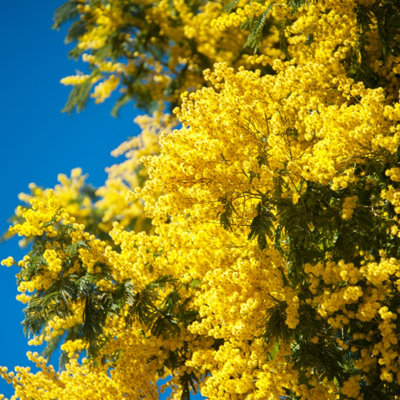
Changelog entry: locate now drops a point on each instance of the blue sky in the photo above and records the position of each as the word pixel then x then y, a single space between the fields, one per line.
pixel 37 141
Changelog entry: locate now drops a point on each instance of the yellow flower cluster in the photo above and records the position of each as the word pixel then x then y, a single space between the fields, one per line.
pixel 349 205
pixel 74 79
pixel 8 262
pixel 115 200
pixel 104 89
pixel 42 211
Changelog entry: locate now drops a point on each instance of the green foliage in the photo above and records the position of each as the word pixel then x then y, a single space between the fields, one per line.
pixel 67 290
pixel 296 4
pixel 258 28
pixel 78 96
pixel 124 99
pixel 387 16
pixel 226 215
pixel 262 224
pixel 176 359
pixel 67 11
pixel 276 328
pixel 230 6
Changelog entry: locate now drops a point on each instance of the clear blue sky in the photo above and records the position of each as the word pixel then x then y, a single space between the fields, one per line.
pixel 37 141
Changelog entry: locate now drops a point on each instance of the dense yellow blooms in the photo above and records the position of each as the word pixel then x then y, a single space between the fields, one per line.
pixel 184 203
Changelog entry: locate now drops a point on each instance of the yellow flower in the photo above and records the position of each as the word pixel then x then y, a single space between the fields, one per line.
pixel 8 262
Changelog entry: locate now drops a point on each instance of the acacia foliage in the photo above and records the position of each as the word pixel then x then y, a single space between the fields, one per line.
pixel 251 253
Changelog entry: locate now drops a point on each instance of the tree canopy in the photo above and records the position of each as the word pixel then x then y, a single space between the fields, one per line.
pixel 249 245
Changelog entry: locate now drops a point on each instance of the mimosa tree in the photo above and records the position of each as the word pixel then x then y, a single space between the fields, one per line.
pixel 249 246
